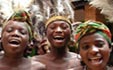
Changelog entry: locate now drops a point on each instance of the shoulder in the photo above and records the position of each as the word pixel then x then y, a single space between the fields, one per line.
pixel 74 55
pixel 109 67
pixel 39 57
pixel 74 60
pixel 37 66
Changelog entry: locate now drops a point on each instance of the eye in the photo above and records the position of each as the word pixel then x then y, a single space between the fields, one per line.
pixel 23 31
pixel 85 47
pixel 52 27
pixel 64 26
pixel 100 44
pixel 10 29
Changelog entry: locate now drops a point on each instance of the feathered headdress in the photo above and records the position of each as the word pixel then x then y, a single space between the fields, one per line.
pixel 8 7
pixel 16 10
pixel 49 8
pixel 62 8
pixel 106 7
pixel 57 9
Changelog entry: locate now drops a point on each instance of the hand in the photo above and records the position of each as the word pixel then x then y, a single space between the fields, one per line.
pixel 43 47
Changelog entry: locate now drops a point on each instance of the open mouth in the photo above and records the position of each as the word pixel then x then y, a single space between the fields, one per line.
pixel 96 59
pixel 14 42
pixel 58 38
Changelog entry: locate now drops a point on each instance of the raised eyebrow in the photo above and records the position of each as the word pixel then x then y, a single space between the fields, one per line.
pixel 86 42
pixel 65 23
pixel 99 40
pixel 24 29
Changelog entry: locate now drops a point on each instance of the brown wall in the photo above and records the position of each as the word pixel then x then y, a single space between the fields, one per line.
pixel 89 13
pixel 79 15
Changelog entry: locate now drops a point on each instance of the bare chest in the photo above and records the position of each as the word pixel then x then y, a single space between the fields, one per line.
pixel 17 67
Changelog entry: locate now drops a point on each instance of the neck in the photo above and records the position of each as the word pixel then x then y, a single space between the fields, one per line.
pixel 11 59
pixel 59 52
pixel 14 55
pixel 104 68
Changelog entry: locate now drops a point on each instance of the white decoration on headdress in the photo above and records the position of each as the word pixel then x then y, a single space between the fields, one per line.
pixel 64 8
pixel 106 7
pixel 7 7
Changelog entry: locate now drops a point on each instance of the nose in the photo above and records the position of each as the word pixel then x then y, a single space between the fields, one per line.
pixel 58 29
pixel 94 50
pixel 15 33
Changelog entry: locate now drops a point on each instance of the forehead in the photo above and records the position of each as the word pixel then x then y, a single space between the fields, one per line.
pixel 59 22
pixel 92 38
pixel 15 23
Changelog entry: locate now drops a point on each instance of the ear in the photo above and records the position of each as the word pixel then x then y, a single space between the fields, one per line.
pixel 111 48
pixel 45 31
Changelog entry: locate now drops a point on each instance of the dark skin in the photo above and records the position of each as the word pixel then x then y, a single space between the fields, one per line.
pixel 15 39
pixel 95 51
pixel 59 57
pixel 43 47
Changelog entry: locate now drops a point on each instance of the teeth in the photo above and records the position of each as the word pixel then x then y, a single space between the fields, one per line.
pixel 94 61
pixel 58 37
pixel 95 58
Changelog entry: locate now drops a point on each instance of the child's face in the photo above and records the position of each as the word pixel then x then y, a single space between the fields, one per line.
pixel 15 37
pixel 95 51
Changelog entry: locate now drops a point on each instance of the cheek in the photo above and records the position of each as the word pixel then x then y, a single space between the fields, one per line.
pixel 49 32
pixel 68 33
pixel 26 38
pixel 106 52
pixel 4 37
pixel 106 49
pixel 68 30
pixel 83 54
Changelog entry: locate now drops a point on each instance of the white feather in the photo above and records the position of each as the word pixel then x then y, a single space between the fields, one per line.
pixel 7 7
pixel 106 7
pixel 63 7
